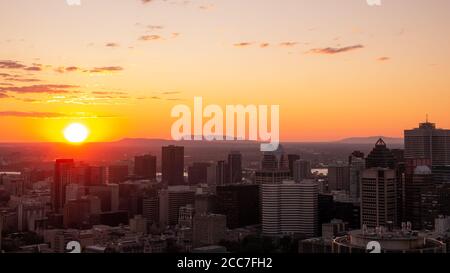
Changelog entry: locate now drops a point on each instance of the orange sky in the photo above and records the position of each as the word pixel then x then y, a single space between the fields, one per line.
pixel 336 68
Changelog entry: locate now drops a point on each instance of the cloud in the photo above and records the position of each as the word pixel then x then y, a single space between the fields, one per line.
pixel 264 45
pixel 243 44
pixel 108 93
pixel 154 27
pixel 106 69
pixel 48 115
pixel 33 68
pixel 334 50
pixel 11 65
pixel 146 1
pixel 170 92
pixel 112 45
pixel 31 114
pixel 149 38
pixel 17 79
pixel 384 59
pixel 3 96
pixel 72 68
pixel 44 88
pixel 288 44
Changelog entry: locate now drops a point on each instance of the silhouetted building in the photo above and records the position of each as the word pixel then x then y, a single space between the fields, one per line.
pixel 380 157
pixel 274 168
pixel 428 142
pixel 422 182
pixel 239 203
pixel 198 173
pixel 235 167
pixel 339 177
pixel 117 173
pixel 291 159
pixel 170 202
pixel 145 166
pixel 173 165
pixel 62 177
pixel 301 169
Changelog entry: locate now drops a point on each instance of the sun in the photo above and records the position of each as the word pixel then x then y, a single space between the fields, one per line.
pixel 76 133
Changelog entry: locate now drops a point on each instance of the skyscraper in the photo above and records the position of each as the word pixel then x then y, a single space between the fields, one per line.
pixel 380 156
pixel 198 173
pixel 428 142
pixel 357 166
pixel 240 203
pixel 290 208
pixel 378 197
pixel 63 175
pixel 235 167
pixel 421 183
pixel 301 169
pixel 339 177
pixel 145 166
pixel 274 168
pixel 173 165
pixel 291 159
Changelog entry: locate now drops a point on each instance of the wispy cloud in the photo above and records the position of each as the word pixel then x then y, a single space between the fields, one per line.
pixel 112 45
pixel 243 44
pixel 44 88
pixel 21 114
pixel 335 50
pixel 288 44
pixel 106 69
pixel 150 38
pixel 384 59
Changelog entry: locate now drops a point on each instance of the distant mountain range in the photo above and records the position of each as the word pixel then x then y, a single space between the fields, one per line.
pixel 370 140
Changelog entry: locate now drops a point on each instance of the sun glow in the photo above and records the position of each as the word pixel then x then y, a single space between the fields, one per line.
pixel 76 133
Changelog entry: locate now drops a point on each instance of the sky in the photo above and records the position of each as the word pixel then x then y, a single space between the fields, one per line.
pixel 337 68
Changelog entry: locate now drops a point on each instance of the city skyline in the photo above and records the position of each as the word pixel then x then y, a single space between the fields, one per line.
pixel 120 66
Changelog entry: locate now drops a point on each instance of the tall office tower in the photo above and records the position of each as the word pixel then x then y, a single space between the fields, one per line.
pixel 173 165
pixel 63 175
pixel 301 169
pixel 145 166
pixel 400 168
pixel 76 214
pixel 222 173
pixel 150 208
pixel 235 167
pixel 275 160
pixel 240 203
pixel 170 202
pixel 96 176
pixel 198 173
pixel 211 175
pixel 209 229
pixel 274 168
pixel 309 208
pixel 378 197
pixel 291 159
pixel 339 177
pixel 117 174
pixel 290 208
pixel 357 166
pixel 422 182
pixel 380 156
pixel 428 142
